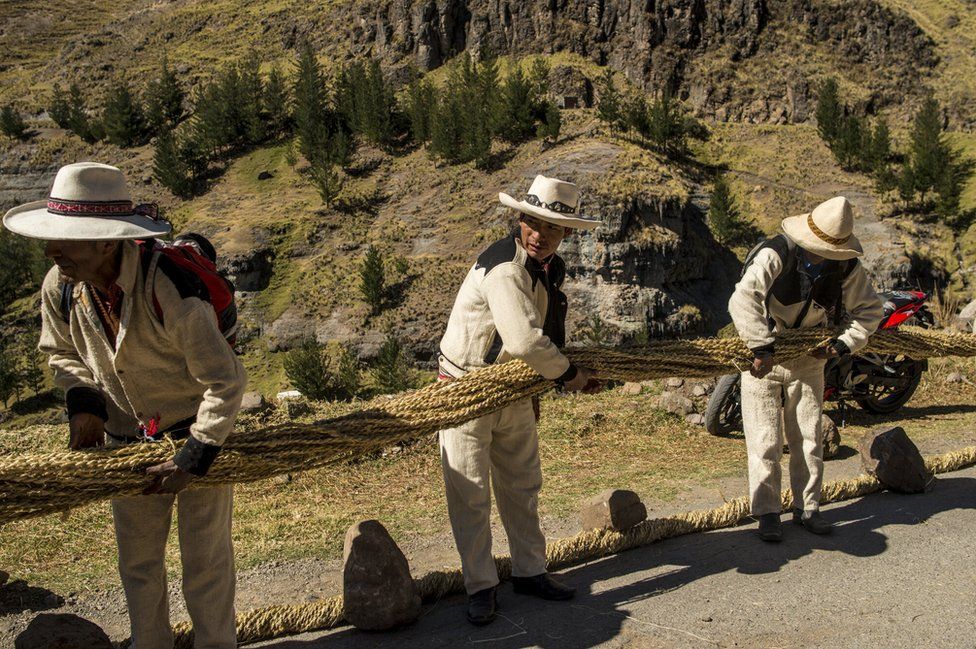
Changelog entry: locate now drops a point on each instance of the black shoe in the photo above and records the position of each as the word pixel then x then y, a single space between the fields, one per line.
pixel 481 606
pixel 813 521
pixel 543 586
pixel 770 529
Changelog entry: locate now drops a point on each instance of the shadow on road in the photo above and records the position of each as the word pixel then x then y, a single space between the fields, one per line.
pixel 609 588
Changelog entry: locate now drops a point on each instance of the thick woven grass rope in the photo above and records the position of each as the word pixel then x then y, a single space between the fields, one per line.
pixel 275 621
pixel 34 484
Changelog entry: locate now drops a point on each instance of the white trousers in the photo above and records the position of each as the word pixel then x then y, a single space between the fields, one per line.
pixel 206 552
pixel 505 447
pixel 787 400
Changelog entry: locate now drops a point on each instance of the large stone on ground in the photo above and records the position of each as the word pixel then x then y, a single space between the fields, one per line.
pixel 831 437
pixel 675 403
pixel 377 588
pixel 617 509
pixel 889 455
pixel 62 631
pixel 253 402
pixel 631 388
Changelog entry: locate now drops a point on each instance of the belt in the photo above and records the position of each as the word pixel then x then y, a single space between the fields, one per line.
pixel 179 430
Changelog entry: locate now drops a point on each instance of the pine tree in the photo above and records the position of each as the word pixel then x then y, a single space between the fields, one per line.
pixel 325 176
pixel 208 126
pixel 78 121
pixel 307 370
pixel 170 168
pixel 516 121
pixel 482 110
pixel 321 137
pixel 608 107
pixel 274 103
pixel 666 125
pixel 32 363
pixel 11 380
pixel 164 100
pixel 551 124
pixel 390 371
pixel 446 128
pixel 878 151
pixel 539 79
pixel 122 118
pixel 723 214
pixel 378 106
pixel 850 143
pixel 22 266
pixel 635 116
pixel 12 124
pixel 421 103
pixel 906 183
pixel 829 112
pixel 252 127
pixel 372 280
pixel 60 109
pixel 929 151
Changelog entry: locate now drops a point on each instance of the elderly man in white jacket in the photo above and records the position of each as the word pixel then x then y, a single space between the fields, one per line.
pixel 136 350
pixel 509 307
pixel 807 277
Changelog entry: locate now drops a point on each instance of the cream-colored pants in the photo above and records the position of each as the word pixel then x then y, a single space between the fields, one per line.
pixel 206 552
pixel 505 445
pixel 787 400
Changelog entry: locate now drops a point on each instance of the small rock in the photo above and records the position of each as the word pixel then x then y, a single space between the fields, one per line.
pixel 831 437
pixel 252 402
pixel 62 631
pixel 695 419
pixel 675 383
pixel 891 456
pixel 699 391
pixel 675 403
pixel 378 591
pixel 706 619
pixel 617 509
pixel 288 394
pixel 631 388
pixel 53 601
pixel 265 175
pixel 955 377
pixel 284 478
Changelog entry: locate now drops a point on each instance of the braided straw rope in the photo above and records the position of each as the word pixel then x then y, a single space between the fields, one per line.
pixel 34 484
pixel 274 621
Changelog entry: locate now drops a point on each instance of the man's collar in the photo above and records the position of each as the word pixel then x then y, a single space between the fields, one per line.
pixel 129 267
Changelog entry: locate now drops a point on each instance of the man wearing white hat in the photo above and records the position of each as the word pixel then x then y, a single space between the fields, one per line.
pixel 809 276
pixel 509 307
pixel 136 350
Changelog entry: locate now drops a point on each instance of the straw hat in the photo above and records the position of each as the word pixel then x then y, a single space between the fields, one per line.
pixel 827 231
pixel 88 202
pixel 552 200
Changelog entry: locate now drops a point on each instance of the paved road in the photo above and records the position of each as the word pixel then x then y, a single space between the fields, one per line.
pixel 898 572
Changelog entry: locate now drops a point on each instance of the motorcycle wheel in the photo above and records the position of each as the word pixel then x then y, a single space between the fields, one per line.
pixel 889 402
pixel 724 411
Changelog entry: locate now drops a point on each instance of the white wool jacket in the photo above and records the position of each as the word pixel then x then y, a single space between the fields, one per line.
pixel 180 371
pixel 509 306
pixel 776 294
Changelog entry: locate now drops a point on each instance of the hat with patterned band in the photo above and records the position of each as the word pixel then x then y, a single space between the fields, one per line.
pixel 88 202
pixel 552 200
pixel 827 231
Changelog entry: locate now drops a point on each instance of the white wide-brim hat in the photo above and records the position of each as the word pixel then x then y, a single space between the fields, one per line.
pixel 827 231
pixel 552 200
pixel 89 201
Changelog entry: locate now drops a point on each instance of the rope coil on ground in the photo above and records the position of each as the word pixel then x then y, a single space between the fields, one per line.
pixel 35 484
pixel 274 621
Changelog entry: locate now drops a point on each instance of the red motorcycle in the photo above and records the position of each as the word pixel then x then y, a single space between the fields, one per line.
pixel 878 383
